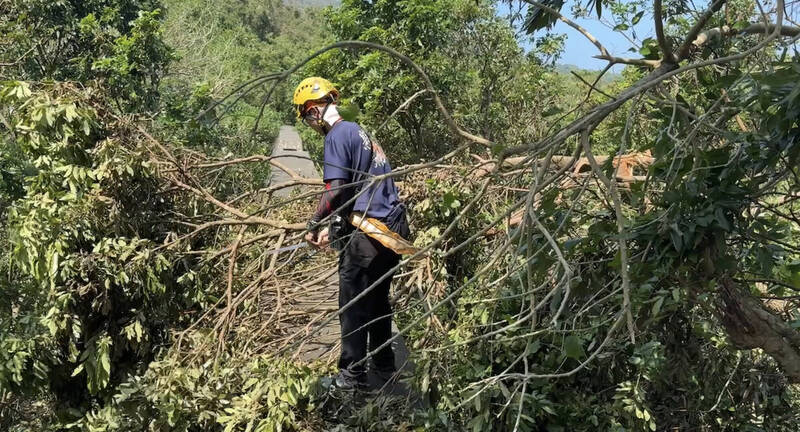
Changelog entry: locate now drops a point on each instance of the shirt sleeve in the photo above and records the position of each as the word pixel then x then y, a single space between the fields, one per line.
pixel 337 159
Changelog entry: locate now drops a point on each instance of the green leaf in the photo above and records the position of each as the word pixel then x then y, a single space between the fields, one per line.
pixel 794 280
pixel 497 148
pixel 105 361
pixel 677 237
pixel 77 370
pixel 350 111
pixel 533 348
pixel 573 347
pixel 54 265
pixel 449 199
pixel 721 219
pixel 538 18
pixel 70 112
pixel 48 115
pixel 657 306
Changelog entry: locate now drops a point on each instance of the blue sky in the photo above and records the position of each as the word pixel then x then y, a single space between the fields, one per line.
pixel 579 51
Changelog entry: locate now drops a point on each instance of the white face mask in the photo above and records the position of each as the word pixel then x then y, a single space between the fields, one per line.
pixel 331 115
pixel 322 118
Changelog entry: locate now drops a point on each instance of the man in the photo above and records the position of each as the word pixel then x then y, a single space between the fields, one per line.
pixel 351 157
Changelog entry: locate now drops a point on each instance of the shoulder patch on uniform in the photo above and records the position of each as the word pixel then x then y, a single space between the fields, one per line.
pixel 378 156
pixel 365 141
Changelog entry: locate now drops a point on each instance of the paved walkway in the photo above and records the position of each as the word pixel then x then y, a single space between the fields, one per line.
pixel 288 148
pixel 322 299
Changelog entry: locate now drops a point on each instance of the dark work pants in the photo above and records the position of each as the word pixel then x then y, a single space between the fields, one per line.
pixel 363 262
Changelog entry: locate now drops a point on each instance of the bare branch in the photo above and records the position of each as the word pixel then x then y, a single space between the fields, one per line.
pixel 569 22
pixel 630 61
pixel 591 86
pixel 683 51
pixel 757 28
pixel 623 245
pixel 662 40
pixel 402 107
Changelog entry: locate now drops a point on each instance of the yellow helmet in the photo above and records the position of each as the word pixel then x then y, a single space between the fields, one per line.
pixel 310 89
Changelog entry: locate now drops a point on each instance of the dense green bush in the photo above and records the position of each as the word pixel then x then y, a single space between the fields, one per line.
pixel 89 298
pixel 102 306
pixel 473 61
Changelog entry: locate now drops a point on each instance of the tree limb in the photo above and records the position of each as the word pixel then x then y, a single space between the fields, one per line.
pixel 623 245
pixel 662 40
pixel 567 21
pixel 756 28
pixel 683 51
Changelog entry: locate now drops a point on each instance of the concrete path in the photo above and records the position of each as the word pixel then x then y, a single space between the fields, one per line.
pixel 322 299
pixel 288 148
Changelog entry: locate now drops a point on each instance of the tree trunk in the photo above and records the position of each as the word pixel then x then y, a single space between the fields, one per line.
pixel 750 325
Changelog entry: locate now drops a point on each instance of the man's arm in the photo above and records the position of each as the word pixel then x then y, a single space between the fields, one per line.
pixel 330 200
pixel 336 160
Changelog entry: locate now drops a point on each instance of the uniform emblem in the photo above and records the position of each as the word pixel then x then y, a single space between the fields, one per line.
pixel 378 156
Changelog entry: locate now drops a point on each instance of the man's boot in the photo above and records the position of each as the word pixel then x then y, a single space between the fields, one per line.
pixel 349 381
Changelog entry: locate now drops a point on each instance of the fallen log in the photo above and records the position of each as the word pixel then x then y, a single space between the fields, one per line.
pixel 623 164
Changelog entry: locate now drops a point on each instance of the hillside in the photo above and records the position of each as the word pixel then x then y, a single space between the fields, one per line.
pixel 311 3
pixel 589 75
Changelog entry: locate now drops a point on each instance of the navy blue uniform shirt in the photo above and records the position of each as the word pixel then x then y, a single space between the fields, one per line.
pixel 347 153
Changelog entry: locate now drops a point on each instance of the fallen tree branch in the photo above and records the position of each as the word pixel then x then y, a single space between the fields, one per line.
pixel 750 326
pixel 756 28
pixel 683 51
pixel 623 245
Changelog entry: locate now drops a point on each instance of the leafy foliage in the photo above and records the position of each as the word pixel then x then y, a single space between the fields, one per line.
pixel 227 394
pixel 518 320
pixel 80 234
pixel 472 59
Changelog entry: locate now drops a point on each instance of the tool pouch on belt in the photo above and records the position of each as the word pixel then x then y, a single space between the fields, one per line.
pixel 339 232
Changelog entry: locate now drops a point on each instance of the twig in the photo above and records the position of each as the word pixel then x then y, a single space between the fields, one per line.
pixel 623 246
pixel 591 86
pixel 229 313
pixel 569 22
pixel 402 107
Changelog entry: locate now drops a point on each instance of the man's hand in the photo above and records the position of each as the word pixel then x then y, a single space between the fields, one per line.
pixel 319 241
pixel 311 238
pixel 324 239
